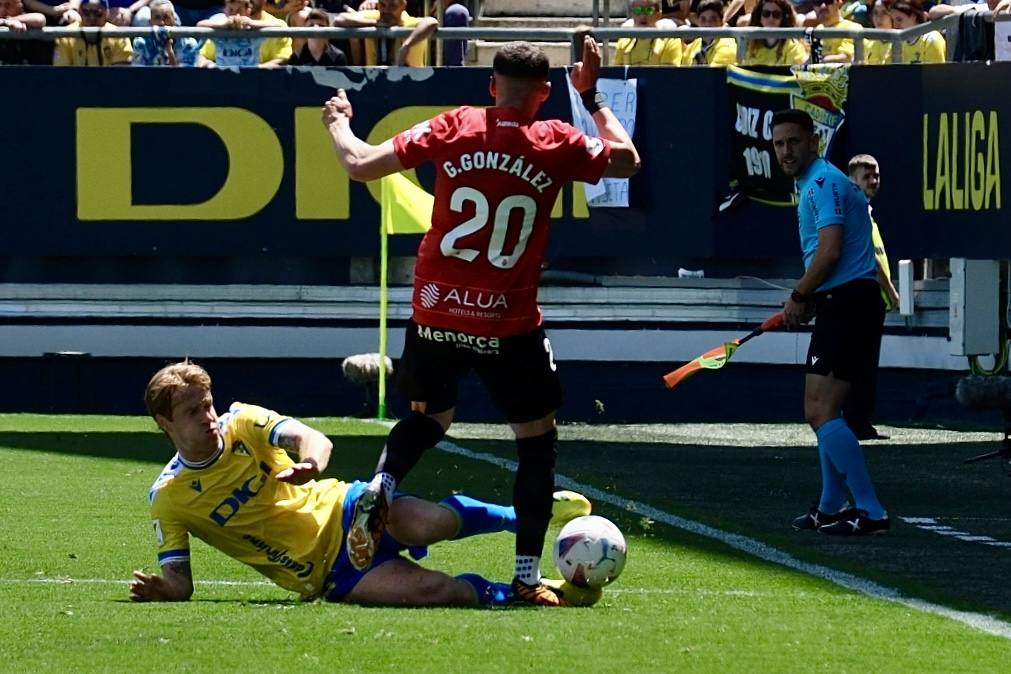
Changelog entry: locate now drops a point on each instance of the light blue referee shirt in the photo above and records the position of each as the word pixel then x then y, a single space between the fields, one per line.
pixel 828 197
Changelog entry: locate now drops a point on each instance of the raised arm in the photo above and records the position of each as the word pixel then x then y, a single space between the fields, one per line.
pixel 624 159
pixel 175 584
pixel 312 447
pixel 421 32
pixel 24 21
pixel 361 160
pixel 352 19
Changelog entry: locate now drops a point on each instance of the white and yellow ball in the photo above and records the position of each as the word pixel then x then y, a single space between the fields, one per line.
pixel 590 551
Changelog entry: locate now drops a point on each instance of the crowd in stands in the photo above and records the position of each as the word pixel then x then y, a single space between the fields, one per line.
pixel 814 14
pixel 159 49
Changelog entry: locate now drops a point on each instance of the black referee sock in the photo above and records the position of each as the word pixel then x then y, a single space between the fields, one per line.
pixel 533 491
pixel 408 440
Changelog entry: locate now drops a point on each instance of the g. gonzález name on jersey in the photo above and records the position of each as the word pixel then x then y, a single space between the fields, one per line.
pixel 497 176
pixel 289 533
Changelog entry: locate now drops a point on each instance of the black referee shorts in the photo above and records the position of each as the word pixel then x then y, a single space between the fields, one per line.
pixel 847 331
pixel 519 372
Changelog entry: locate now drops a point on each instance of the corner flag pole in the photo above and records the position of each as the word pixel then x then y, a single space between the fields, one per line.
pixel 405 208
pixel 383 308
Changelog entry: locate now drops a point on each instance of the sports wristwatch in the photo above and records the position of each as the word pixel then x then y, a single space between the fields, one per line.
pixel 799 297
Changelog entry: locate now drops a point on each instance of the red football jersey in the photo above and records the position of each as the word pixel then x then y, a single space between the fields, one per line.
pixel 498 174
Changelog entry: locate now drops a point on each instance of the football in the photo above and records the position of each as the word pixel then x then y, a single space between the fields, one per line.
pixel 590 551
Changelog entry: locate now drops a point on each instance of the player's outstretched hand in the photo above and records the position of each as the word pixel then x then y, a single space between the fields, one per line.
pixel 300 473
pixel 584 73
pixel 338 107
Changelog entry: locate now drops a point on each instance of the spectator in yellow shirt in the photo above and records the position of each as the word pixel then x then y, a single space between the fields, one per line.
pixel 720 51
pixel 387 51
pixel 929 47
pixel 243 52
pixel 659 51
pixel 879 52
pixel 835 49
pixel 274 49
pixel 771 52
pixel 108 51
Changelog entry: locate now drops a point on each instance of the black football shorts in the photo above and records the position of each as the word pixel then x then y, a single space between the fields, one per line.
pixel 847 331
pixel 519 371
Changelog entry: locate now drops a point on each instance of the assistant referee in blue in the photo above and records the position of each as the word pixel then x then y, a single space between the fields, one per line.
pixel 839 289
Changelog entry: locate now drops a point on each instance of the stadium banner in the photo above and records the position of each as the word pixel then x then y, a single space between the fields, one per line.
pixel 755 96
pixel 216 176
pixel 149 162
pixel 942 137
pixel 622 98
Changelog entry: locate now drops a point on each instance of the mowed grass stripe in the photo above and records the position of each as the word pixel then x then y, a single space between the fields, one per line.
pixel 74 507
pixel 756 548
pixel 616 591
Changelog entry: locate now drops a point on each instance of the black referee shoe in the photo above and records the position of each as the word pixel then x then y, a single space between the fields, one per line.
pixel 859 524
pixel 813 519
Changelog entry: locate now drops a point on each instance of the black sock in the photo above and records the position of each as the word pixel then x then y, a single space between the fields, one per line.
pixel 407 442
pixel 533 491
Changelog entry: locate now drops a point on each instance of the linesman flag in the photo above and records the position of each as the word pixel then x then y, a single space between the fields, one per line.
pixel 406 208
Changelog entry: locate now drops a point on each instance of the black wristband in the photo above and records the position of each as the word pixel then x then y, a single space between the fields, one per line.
pixel 798 297
pixel 590 102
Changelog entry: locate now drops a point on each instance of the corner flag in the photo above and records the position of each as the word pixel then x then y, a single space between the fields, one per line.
pixel 405 208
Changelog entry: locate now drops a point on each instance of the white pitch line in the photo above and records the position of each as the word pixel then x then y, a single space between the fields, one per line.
pixel 64 580
pixel 930 524
pixel 695 592
pixel 756 548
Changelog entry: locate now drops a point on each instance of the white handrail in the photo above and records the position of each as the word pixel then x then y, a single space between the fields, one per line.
pixel 505 34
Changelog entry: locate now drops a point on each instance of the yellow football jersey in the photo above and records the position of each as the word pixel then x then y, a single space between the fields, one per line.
pixel 877 52
pixel 928 48
pixel 720 52
pixel 630 51
pixel 290 533
pixel 417 55
pixel 882 257
pixel 784 52
pixel 840 45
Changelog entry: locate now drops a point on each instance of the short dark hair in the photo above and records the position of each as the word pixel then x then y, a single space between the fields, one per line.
pixel 521 60
pixel 710 6
pixel 319 15
pixel 861 161
pixel 913 8
pixel 791 116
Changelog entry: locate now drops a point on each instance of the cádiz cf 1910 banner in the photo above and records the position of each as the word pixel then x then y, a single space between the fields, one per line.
pixel 755 96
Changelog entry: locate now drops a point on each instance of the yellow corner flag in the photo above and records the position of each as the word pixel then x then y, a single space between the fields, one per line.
pixel 406 208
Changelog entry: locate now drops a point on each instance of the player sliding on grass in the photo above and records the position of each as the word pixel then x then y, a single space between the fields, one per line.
pixel 839 289
pixel 233 485
pixel 498 174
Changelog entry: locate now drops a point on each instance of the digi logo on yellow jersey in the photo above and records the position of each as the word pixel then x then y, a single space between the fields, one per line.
pixel 225 510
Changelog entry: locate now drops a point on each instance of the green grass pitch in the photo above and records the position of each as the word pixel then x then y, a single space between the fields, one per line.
pixel 74 524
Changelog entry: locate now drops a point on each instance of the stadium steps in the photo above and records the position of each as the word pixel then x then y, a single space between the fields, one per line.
pixel 481 52
pixel 614 301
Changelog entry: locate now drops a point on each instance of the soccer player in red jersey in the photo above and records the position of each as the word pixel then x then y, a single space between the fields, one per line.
pixel 498 173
